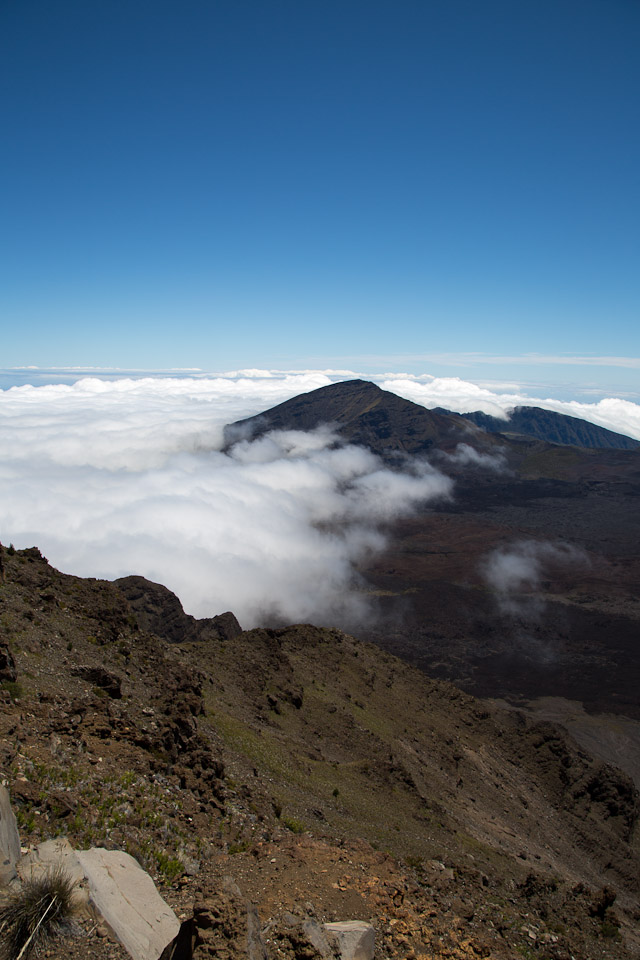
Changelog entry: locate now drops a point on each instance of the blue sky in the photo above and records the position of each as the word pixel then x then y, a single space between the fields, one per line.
pixel 443 187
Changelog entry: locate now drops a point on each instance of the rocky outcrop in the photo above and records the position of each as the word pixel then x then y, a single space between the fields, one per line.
pixel 159 611
pixel 111 887
pixel 103 679
pixel 127 900
pixel 226 926
pixel 7 664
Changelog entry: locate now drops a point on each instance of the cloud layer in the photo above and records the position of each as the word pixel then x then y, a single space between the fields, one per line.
pixel 120 476
pixel 127 477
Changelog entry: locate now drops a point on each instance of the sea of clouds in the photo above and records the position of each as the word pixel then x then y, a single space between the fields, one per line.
pixel 128 476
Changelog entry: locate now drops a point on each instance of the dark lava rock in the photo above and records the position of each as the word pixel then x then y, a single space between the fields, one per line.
pixel 99 677
pixel 159 611
pixel 7 664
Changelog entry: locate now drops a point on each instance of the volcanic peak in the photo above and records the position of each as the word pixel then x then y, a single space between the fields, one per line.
pixel 363 414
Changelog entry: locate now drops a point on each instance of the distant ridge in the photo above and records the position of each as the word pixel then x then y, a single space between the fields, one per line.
pixel 388 424
pixel 553 428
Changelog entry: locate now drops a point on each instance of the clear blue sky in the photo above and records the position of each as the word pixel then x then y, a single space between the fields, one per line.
pixel 223 183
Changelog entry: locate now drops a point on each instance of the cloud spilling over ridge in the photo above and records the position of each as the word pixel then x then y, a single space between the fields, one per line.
pixel 110 479
pixel 515 573
pixel 461 396
pixel 120 476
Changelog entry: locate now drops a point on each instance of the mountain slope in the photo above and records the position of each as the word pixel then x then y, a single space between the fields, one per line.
pixel 569 629
pixel 325 777
pixel 364 414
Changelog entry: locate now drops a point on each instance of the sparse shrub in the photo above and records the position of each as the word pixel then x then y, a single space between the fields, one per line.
pixel 296 826
pixel 602 902
pixel 170 867
pixel 610 929
pixel 238 847
pixel 40 910
pixel 25 818
pixel 13 687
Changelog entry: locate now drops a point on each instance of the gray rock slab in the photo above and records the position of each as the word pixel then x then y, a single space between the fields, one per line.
pixel 256 949
pixel 316 935
pixel 354 939
pixel 9 839
pixel 127 899
pixel 54 855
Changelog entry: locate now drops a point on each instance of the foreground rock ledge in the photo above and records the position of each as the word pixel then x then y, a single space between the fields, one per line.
pixel 112 886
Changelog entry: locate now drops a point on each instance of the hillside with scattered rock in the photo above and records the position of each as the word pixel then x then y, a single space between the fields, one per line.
pixel 276 780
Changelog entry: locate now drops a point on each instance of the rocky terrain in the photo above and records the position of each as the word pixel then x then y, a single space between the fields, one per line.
pixel 311 774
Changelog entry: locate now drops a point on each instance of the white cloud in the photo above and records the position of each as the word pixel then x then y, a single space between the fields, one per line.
pixel 118 476
pixel 113 478
pixel 515 572
pixel 467 456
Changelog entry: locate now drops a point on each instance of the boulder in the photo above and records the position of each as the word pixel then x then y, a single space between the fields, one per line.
pixel 289 935
pixel 354 939
pixel 126 898
pixel 9 839
pixel 54 855
pixel 112 887
pixel 51 855
pixel 99 677
pixel 7 663
pixel 315 934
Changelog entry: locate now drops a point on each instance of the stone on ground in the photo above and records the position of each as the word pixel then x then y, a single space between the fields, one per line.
pixel 354 939
pixel 52 855
pixel 127 899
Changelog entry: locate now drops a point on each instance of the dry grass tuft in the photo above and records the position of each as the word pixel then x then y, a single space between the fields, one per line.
pixel 40 910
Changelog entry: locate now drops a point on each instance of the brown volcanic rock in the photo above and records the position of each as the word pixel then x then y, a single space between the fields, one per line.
pixel 508 832
pixel 159 611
